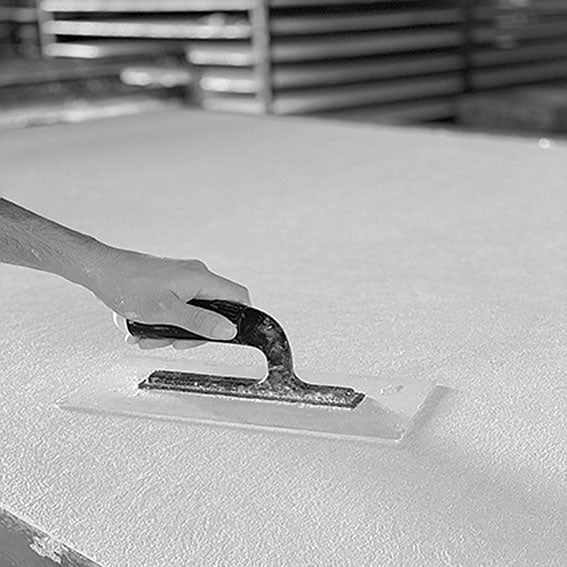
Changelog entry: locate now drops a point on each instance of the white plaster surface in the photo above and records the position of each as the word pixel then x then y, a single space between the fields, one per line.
pixel 425 254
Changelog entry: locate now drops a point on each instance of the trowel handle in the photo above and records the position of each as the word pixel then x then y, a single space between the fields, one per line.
pixel 253 328
pixel 256 329
pixel 229 309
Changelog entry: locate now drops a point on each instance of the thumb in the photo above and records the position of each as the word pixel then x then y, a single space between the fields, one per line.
pixel 203 322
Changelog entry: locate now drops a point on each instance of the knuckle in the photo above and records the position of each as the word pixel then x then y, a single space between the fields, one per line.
pixel 244 293
pixel 198 266
pixel 240 293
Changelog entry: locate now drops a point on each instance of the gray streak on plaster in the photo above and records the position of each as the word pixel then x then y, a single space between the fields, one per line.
pixel 448 264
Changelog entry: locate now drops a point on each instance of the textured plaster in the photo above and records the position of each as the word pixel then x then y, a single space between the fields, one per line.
pixel 381 251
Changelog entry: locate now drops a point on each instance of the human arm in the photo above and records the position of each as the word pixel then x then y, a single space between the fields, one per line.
pixel 134 285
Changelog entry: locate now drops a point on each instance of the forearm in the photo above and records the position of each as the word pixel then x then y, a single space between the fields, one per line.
pixel 134 285
pixel 29 240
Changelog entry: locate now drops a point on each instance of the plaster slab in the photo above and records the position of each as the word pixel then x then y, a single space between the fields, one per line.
pixel 425 254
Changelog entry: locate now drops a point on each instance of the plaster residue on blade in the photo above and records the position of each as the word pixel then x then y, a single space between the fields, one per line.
pixel 287 388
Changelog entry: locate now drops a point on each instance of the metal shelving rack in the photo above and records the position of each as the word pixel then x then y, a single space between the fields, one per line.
pixel 336 55
pixel 279 56
pixel 405 58
pixel 116 28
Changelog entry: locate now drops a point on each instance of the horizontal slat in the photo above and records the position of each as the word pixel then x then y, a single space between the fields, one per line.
pixel 531 31
pixel 301 3
pixel 144 5
pixel 108 49
pixel 156 76
pixel 18 15
pixel 239 54
pixel 229 104
pixel 407 113
pixel 170 29
pixel 541 7
pixel 245 80
pixel 493 78
pixel 357 95
pixel 230 80
pixel 361 45
pixel 528 53
pixel 287 50
pixel 58 74
pixel 288 76
pixel 326 23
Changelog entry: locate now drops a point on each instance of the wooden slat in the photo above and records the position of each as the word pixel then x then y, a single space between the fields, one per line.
pixel 293 76
pixel 305 3
pixel 144 5
pixel 411 112
pixel 529 31
pixel 331 22
pixel 155 29
pixel 230 104
pixel 541 7
pixel 286 50
pixel 364 94
pixel 546 51
pixel 501 77
pixel 97 50
pixel 361 45
pixel 156 76
pixel 57 73
pixel 230 80
pixel 18 15
pixel 238 54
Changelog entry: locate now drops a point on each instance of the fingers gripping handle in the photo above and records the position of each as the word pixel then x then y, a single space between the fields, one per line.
pixel 228 309
pixel 253 328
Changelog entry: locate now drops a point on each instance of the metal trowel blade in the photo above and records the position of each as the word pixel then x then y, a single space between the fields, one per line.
pixel 385 415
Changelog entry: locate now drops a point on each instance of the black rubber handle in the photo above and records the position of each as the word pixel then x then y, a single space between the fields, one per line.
pixel 253 328
pixel 256 329
pixel 229 309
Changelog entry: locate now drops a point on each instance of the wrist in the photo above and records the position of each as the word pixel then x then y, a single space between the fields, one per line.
pixel 104 268
pixel 89 263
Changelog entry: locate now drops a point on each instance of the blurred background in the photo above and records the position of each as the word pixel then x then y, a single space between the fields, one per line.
pixel 483 65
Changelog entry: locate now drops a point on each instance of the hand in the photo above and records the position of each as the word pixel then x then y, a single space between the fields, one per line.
pixel 148 289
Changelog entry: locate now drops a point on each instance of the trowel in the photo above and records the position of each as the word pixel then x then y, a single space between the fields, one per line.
pixel 327 405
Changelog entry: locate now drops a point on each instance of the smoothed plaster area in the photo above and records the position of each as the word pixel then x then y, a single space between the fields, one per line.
pixel 381 251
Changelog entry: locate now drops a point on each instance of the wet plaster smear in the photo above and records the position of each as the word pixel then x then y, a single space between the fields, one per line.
pixel 382 252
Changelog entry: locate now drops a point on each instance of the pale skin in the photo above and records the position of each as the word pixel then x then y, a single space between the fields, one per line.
pixel 133 285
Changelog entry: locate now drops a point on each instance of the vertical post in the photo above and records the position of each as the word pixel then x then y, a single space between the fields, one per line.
pixel 261 39
pixel 45 38
pixel 468 46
